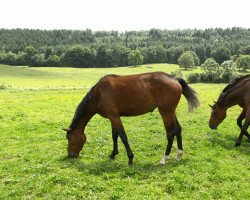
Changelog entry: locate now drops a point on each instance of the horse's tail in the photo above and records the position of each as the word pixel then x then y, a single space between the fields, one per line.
pixel 190 94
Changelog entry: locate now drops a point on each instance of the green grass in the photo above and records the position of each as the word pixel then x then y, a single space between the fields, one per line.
pixel 69 78
pixel 41 101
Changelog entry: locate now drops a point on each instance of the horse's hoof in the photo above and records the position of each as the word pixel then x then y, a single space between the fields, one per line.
pixel 162 162
pixel 130 162
pixel 112 155
pixel 179 155
pixel 237 144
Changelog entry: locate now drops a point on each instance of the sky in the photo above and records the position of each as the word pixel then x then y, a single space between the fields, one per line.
pixel 124 15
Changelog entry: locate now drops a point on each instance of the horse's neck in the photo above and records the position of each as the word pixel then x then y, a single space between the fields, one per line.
pixel 85 120
pixel 86 117
pixel 233 98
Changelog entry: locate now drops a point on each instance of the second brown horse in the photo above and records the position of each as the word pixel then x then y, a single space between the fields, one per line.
pixel 115 96
pixel 236 93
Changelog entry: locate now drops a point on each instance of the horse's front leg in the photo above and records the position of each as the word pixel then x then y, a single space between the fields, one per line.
pixel 117 129
pixel 239 122
pixel 244 127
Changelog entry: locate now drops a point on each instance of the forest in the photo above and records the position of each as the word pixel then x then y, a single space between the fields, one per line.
pixel 85 48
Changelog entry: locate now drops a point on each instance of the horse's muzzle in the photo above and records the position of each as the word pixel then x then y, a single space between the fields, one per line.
pixel 72 155
pixel 213 126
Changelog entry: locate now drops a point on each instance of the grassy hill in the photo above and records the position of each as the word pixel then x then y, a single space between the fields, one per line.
pixel 61 78
pixel 41 101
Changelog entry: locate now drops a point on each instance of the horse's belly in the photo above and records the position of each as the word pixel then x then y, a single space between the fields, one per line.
pixel 137 110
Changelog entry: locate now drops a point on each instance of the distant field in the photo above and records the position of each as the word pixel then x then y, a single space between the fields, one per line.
pixel 41 101
pixel 55 78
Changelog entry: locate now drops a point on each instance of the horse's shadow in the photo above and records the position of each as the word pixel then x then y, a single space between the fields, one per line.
pixel 107 166
pixel 228 142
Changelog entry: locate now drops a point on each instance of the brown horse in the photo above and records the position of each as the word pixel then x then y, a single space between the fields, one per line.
pixel 236 93
pixel 115 96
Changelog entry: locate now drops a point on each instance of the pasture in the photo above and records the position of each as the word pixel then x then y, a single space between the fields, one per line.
pixel 36 103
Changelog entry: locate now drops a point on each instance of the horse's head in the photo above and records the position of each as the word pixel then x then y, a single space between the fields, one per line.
pixel 218 114
pixel 76 140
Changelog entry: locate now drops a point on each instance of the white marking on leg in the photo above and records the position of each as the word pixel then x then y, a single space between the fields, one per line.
pixel 179 154
pixel 164 160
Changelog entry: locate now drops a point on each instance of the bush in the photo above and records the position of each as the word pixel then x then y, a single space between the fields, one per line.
pixel 177 73
pixel 194 78
pixel 229 71
pixel 243 62
pixel 214 73
pixel 212 70
pixel 3 87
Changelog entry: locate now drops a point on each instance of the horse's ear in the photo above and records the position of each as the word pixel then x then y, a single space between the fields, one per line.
pixel 67 129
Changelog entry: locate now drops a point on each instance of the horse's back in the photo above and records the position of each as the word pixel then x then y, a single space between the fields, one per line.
pixel 136 94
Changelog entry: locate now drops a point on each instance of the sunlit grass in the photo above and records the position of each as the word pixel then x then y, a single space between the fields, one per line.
pixel 33 148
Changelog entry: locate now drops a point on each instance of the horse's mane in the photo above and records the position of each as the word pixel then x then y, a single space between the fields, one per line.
pixel 229 88
pixel 234 83
pixel 80 108
pixel 79 113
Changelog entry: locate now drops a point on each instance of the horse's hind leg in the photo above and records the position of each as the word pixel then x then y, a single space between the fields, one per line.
pixel 115 144
pixel 244 128
pixel 117 129
pixel 239 122
pixel 173 128
pixel 179 141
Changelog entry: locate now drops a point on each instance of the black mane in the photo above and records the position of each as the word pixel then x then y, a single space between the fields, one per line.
pixel 80 109
pixel 79 113
pixel 230 87
pixel 234 83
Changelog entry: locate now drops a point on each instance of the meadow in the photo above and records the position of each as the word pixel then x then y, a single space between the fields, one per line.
pixel 36 103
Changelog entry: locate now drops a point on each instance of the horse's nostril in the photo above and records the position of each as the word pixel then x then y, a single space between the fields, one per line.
pixel 213 126
pixel 72 155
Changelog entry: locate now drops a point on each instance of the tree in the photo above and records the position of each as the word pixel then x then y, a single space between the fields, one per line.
pixel 37 60
pixel 119 56
pixel 173 53
pixel 103 56
pixel 221 54
pixel 48 53
pixel 160 54
pixel 195 57
pixel 135 58
pixel 245 50
pixel 29 52
pixel 3 58
pixel 79 56
pixel 229 70
pixel 186 60
pixel 53 61
pixel 212 70
pixel 243 62
pixel 10 58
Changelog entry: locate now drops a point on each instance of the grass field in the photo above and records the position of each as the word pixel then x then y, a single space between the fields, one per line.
pixel 37 102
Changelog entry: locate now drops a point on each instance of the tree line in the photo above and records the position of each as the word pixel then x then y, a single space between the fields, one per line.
pixel 85 48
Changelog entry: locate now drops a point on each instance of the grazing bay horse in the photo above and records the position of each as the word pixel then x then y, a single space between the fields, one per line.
pixel 115 96
pixel 236 93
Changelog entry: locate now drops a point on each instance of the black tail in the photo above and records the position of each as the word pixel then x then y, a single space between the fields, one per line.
pixel 190 94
